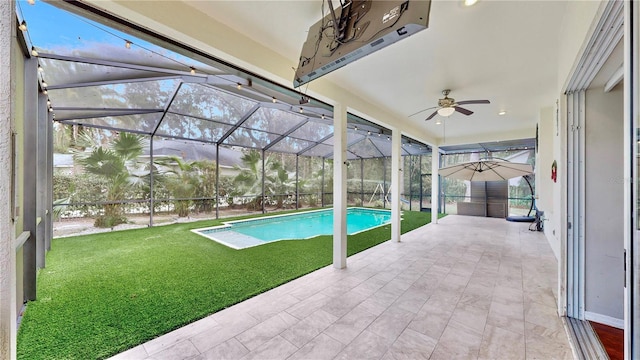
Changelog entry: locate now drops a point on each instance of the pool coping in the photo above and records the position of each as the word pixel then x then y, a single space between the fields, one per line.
pixel 227 225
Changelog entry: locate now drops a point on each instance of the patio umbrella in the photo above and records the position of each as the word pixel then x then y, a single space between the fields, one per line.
pixel 486 170
pixel 489 170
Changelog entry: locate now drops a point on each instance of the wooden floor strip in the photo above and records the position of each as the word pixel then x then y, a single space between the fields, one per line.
pixel 612 339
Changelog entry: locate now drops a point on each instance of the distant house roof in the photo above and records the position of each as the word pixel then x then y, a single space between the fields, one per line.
pixel 192 151
pixel 62 160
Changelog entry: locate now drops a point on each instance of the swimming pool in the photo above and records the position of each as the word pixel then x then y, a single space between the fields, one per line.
pixel 246 233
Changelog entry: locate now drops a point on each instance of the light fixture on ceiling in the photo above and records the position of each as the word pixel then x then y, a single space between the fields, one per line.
pixel 127 44
pixel 34 52
pixel 304 100
pixel 44 84
pixel 192 70
pixel 446 111
pixel 470 2
pixel 355 128
pixel 502 112
pixel 40 69
pixel 301 110
pixel 23 26
pixel 438 122
pixel 322 116
pixel 239 86
pixel 273 99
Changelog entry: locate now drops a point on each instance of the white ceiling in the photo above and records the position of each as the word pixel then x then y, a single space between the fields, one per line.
pixel 503 51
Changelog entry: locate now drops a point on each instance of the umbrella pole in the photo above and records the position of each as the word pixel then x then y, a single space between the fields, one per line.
pixel 526 177
pixel 486 212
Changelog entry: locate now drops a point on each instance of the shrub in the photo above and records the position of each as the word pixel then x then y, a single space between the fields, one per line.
pixel 109 221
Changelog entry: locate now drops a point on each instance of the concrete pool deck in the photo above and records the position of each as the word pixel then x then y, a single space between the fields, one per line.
pixel 468 287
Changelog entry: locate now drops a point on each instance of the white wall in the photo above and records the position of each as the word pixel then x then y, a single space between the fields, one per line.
pixel 578 25
pixel 604 249
pixel 604 237
pixel 547 134
pixel 572 40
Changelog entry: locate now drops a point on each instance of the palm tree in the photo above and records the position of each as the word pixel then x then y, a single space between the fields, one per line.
pixel 249 180
pixel 206 186
pixel 118 164
pixel 181 179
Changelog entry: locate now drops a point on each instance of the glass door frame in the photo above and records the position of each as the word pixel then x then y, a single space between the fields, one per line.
pixel 632 191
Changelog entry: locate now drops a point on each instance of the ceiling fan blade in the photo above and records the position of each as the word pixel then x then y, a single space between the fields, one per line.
pixel 431 116
pixel 423 110
pixel 463 110
pixel 473 102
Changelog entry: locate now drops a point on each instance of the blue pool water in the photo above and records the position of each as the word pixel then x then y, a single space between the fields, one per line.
pixel 247 233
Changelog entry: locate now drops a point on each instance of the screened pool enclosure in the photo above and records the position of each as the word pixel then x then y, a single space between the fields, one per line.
pixel 147 131
pixel 147 134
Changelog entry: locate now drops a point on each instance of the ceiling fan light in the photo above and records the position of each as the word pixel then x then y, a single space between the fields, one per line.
pixel 446 111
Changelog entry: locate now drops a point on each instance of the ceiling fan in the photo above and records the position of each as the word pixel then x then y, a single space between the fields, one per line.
pixel 448 106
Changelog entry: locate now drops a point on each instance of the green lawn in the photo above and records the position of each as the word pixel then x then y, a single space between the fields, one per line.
pixel 104 293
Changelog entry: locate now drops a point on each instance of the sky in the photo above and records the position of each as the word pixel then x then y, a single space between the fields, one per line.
pixel 49 28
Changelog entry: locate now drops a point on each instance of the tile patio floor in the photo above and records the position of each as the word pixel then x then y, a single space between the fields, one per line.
pixel 466 288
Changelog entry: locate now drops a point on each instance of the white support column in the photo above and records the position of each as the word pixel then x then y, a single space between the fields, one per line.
pixel 7 236
pixel 339 186
pixel 396 180
pixel 435 183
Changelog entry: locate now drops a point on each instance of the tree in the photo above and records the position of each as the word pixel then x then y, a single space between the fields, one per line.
pixel 249 180
pixel 206 186
pixel 181 179
pixel 120 166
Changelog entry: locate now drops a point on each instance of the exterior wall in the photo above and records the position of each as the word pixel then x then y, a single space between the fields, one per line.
pixel 578 25
pixel 604 236
pixel 604 166
pixel 18 129
pixel 547 133
pixel 7 236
